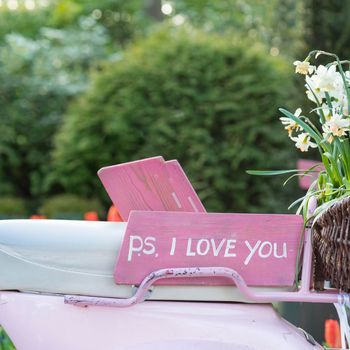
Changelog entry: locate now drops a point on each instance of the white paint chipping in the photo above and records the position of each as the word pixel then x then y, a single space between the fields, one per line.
pixel 176 200
pixel 192 204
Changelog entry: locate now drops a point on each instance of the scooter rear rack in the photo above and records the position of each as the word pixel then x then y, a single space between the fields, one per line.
pixel 303 294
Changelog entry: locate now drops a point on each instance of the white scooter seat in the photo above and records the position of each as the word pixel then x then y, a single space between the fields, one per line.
pixel 78 257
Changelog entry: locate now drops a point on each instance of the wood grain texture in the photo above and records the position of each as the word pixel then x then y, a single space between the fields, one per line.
pixel 149 184
pixel 182 188
pixel 262 248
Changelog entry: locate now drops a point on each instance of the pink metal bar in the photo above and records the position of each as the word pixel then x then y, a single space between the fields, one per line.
pixel 307 262
pixel 261 297
pixel 304 294
pixel 140 295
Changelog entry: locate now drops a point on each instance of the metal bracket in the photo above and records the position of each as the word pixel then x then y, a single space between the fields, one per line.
pixel 303 294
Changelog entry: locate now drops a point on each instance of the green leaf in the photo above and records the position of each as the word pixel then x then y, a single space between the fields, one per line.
pixel 334 171
pixel 271 172
pixel 301 199
pixel 295 175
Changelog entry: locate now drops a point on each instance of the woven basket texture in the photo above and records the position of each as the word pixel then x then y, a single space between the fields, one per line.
pixel 331 242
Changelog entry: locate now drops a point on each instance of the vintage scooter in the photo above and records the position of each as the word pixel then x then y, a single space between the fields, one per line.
pixel 171 277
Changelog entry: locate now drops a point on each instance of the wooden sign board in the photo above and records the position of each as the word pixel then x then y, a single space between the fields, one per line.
pixel 262 248
pixel 149 184
pixel 305 164
pixel 187 197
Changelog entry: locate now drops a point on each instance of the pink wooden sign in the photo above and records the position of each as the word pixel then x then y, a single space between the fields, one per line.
pixel 149 184
pixel 187 197
pixel 262 248
pixel 305 164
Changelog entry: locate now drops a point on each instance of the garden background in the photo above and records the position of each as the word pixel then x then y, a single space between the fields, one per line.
pixel 87 83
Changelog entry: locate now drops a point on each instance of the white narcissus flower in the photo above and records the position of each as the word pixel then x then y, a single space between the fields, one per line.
pixel 313 93
pixel 328 137
pixel 327 112
pixel 345 106
pixel 290 124
pixel 341 104
pixel 336 125
pixel 302 141
pixel 325 80
pixel 303 67
pixel 347 75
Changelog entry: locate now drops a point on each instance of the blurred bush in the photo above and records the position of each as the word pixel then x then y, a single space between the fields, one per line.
pixel 37 80
pixel 209 101
pixel 327 26
pixel 11 208
pixel 120 18
pixel 68 206
pixel 23 21
pixel 260 21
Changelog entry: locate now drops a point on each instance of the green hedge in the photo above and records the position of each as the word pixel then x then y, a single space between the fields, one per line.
pixel 11 208
pixel 22 21
pixel 209 101
pixel 67 206
pixel 37 80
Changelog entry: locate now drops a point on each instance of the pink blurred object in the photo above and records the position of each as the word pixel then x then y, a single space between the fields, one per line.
pixel 42 322
pixel 307 180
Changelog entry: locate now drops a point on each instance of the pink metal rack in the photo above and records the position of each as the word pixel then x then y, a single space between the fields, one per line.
pixel 303 294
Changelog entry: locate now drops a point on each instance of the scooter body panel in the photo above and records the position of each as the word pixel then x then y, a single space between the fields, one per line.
pixel 41 322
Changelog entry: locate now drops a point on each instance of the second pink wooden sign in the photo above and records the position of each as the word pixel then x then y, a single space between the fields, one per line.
pixel 262 248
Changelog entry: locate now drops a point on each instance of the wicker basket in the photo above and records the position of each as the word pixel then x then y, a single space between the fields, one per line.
pixel 331 243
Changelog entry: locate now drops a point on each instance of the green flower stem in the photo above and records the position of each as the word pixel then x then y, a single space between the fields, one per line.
pixel 346 148
pixel 335 174
pixel 344 155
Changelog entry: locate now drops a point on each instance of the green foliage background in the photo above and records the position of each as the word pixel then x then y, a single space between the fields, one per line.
pixel 45 60
pixel 276 23
pixel 208 101
pixel 12 207
pixel 327 26
pixel 68 206
pixel 38 78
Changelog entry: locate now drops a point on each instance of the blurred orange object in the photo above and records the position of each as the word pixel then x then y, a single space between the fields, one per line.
pixel 37 217
pixel 113 214
pixel 91 216
pixel 332 333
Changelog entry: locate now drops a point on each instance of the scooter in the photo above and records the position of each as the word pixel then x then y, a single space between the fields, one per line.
pixel 162 279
